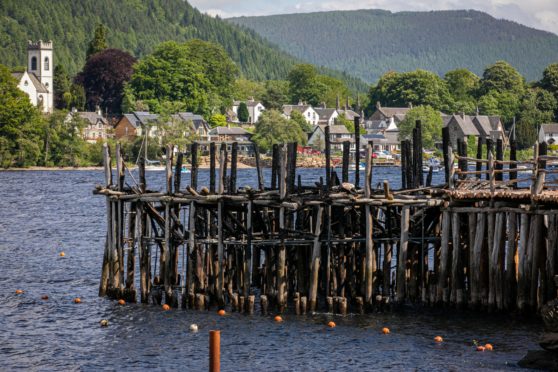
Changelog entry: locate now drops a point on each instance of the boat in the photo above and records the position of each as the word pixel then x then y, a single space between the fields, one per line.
pixel 150 165
pixel 362 166
pixel 432 162
pixel 184 169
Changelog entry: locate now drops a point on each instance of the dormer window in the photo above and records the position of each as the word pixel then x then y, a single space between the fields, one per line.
pixel 34 63
pixel 26 83
pixel 47 64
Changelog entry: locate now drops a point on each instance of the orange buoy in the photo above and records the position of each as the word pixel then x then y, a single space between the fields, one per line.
pixel 44 297
pixel 385 331
pixel 488 347
pixel 278 318
pixel 77 300
pixel 331 324
pixel 166 307
pixel 121 302
pixel 480 348
pixel 19 291
pixel 62 254
pixel 221 312
pixel 438 339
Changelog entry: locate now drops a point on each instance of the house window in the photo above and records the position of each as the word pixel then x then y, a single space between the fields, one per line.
pixel 47 64
pixel 26 83
pixel 34 63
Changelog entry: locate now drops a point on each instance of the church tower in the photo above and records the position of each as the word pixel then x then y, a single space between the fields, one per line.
pixel 40 63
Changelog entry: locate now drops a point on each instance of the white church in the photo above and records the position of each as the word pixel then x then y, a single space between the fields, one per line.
pixel 37 79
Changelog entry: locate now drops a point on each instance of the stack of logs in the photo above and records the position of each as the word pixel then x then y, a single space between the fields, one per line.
pixel 332 246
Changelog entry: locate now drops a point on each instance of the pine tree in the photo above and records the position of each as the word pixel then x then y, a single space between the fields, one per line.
pixel 243 114
pixel 99 42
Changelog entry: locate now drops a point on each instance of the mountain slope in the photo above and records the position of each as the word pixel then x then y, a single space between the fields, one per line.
pixel 136 26
pixel 370 42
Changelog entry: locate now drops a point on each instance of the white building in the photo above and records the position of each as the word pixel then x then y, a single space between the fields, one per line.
pixel 255 109
pixel 549 133
pixel 37 80
pixel 309 114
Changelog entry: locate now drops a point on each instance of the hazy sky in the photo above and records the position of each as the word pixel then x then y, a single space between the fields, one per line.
pixel 541 14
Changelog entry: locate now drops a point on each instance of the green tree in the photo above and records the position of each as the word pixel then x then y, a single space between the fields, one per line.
pixel 350 125
pixel 299 119
pixel 243 114
pixel 305 84
pixel 462 84
pixel 217 120
pixel 63 141
pixel 550 79
pixel 502 78
pixel 244 89
pixel 98 43
pixel 333 88
pixel 62 88
pixel 272 127
pixel 418 87
pixel 504 104
pixel 537 107
pixel 431 124
pixel 276 94
pixel 20 125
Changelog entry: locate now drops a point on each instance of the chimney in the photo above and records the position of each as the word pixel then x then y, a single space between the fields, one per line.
pixel 98 110
pixel 347 103
pixel 337 102
pixel 74 110
pixel 411 105
pixel 378 105
pixel 323 105
pixel 300 103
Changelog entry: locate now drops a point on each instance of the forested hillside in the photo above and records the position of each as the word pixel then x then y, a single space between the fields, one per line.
pixel 136 26
pixel 370 42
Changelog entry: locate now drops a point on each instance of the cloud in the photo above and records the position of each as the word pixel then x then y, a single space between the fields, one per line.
pixel 540 14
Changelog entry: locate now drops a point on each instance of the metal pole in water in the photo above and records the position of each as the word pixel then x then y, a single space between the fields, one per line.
pixel 214 351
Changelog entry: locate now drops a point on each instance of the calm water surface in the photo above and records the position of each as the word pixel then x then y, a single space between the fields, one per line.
pixel 44 213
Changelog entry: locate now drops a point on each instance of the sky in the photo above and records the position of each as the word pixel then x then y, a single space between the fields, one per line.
pixel 540 14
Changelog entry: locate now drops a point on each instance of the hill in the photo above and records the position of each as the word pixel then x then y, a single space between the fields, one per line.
pixel 370 42
pixel 136 26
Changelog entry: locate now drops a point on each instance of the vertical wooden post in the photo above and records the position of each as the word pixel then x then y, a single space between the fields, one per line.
pixel 357 151
pixel 281 254
pixel 214 351
pixel 403 165
pixel 370 256
pixel 168 246
pixel 499 157
pixel 234 159
pixel 444 258
pixel 220 252
pixel 445 152
pixel 119 215
pixel 475 264
pixel 274 166
pixel 457 262
pixel 511 280
pixel 513 157
pixel 212 152
pixel 194 168
pixel 145 262
pixel 178 172
pixel 489 150
pixel 417 154
pixel 402 254
pixel 291 166
pixel 106 268
pixel 346 156
pixel 190 290
pixel 478 165
pixel 315 268
pixel 261 184
pixel 222 167
pixel 522 248
pixel 328 158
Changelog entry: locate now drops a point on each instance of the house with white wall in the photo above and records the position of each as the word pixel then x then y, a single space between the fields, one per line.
pixel 255 109
pixel 307 111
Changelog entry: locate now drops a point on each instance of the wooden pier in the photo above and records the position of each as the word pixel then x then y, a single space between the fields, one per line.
pixel 480 241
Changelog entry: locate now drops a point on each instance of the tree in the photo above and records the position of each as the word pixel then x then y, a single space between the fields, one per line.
pixel 217 120
pixel 350 125
pixel 276 94
pixel 537 107
pixel 462 84
pixel 418 87
pixel 272 127
pixel 550 79
pixel 431 124
pixel 103 78
pixel 333 88
pixel 502 78
pixel 20 125
pixel 244 89
pixel 504 104
pixel 62 87
pixel 299 119
pixel 98 43
pixel 63 141
pixel 243 114
pixel 305 85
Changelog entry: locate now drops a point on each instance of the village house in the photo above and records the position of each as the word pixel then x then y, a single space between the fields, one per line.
pixel 307 111
pixel 255 109
pixel 386 113
pixel 480 126
pixel 548 133
pixel 134 125
pixel 37 80
pixel 326 116
pixel 229 134
pixel 337 135
pixel 96 127
pixel 200 126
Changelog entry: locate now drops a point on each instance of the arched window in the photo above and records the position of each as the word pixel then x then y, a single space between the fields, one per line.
pixel 47 65
pixel 34 63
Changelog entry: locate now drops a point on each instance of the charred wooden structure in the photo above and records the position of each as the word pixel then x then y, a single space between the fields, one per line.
pixel 480 241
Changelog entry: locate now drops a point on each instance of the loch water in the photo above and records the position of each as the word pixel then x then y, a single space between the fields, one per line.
pixel 43 213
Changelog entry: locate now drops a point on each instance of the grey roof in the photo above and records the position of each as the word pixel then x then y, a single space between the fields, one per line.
pixel 495 122
pixel 349 114
pixel 324 113
pixel 334 129
pixel 482 123
pixel 34 80
pixel 392 111
pixel 464 122
pixel 229 131
pixel 550 128
pixel 91 117
pixel 287 109
pixel 249 103
pixel 196 119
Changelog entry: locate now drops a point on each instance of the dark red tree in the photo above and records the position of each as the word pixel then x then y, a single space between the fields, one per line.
pixel 103 78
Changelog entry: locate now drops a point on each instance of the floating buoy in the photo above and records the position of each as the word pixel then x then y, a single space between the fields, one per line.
pixel 62 254
pixel 278 318
pixel 331 324
pixel 221 312
pixel 19 291
pixel 480 348
pixel 166 307
pixel 193 328
pixel 438 339
pixel 121 302
pixel 385 331
pixel 77 300
pixel 488 347
pixel 104 323
pixel 44 297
